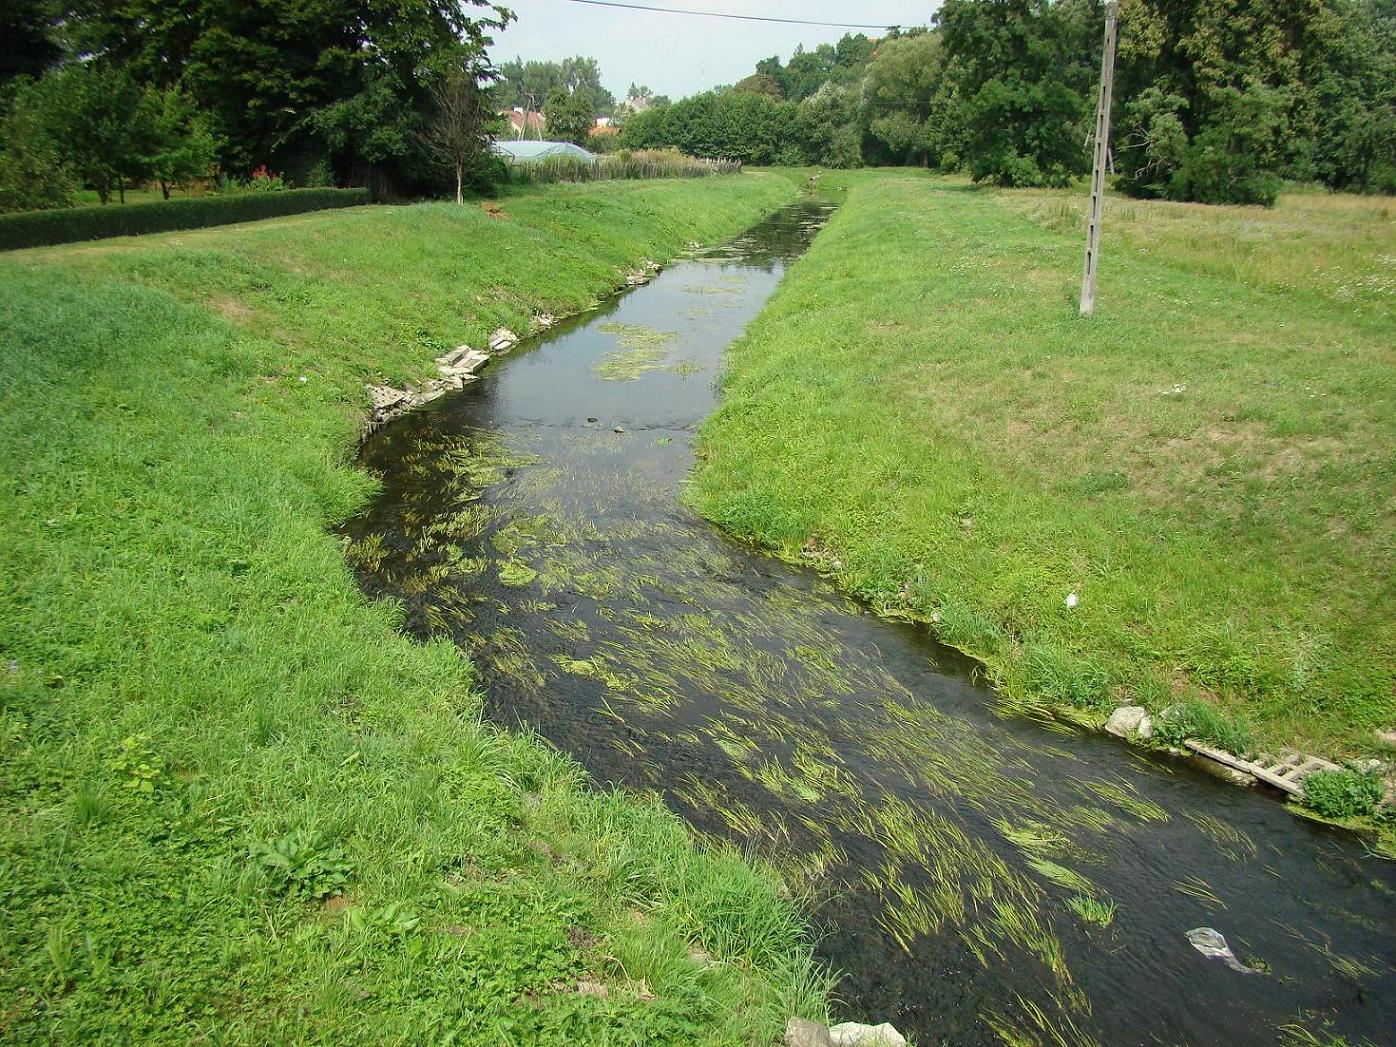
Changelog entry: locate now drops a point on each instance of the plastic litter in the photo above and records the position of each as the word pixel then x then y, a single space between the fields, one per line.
pixel 1210 943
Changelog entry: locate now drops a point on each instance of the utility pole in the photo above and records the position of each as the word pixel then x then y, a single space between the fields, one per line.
pixel 1102 155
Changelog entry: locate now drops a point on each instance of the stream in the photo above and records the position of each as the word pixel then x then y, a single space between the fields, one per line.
pixel 979 876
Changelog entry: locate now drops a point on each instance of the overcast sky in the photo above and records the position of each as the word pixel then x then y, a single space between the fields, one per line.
pixel 678 55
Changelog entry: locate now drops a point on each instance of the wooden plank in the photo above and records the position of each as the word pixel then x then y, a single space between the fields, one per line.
pixel 1263 773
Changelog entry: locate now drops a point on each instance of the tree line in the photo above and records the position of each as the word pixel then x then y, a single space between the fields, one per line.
pixel 1214 101
pixel 299 92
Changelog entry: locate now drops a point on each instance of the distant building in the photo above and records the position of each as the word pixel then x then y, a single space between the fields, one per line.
pixel 523 124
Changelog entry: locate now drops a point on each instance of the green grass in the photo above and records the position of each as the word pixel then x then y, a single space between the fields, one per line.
pixel 1204 722
pixel 237 804
pixel 1206 463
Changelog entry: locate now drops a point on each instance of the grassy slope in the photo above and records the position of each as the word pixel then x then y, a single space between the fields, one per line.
pixel 1208 463
pixel 203 726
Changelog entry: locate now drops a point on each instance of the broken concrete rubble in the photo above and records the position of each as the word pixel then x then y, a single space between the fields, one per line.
pixel 457 367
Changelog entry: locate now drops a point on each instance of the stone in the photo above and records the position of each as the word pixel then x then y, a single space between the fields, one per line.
pixel 801 1032
pixel 463 361
pixel 503 340
pixel 1130 721
pixel 852 1034
pixel 1389 737
pixel 383 397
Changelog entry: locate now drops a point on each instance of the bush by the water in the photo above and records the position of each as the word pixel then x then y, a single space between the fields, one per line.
pixel 1204 723
pixel 41 228
pixel 638 163
pixel 1343 793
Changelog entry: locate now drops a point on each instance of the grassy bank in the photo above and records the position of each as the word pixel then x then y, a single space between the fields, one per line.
pixel 1207 463
pixel 236 804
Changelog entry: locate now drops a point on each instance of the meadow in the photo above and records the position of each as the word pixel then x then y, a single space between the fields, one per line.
pixel 1208 464
pixel 238 804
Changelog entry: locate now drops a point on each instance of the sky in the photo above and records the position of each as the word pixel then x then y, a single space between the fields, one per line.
pixel 679 55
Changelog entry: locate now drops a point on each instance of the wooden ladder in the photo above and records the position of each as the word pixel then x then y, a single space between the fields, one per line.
pixel 1287 774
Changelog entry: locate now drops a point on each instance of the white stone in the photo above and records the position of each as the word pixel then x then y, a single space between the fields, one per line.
pixel 801 1032
pixel 1128 721
pixel 502 340
pixel 852 1034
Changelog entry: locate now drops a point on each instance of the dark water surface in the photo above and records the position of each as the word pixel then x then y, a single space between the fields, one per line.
pixel 962 857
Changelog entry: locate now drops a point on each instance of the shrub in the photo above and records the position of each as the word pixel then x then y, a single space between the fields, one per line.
pixel 639 163
pixel 1206 723
pixel 38 228
pixel 1342 794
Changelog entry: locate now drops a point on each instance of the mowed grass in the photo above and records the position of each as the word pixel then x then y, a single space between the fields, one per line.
pixel 236 804
pixel 1209 463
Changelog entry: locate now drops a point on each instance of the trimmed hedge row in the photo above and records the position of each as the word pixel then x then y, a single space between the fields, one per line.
pixel 40 228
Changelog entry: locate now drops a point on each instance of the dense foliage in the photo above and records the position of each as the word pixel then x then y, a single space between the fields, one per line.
pixel 529 85
pixel 1342 793
pixel 38 228
pixel 1212 103
pixel 325 93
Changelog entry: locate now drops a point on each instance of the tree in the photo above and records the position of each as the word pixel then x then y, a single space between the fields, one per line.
pixel 760 84
pixel 33 172
pixel 27 39
pixel 289 83
pixel 570 116
pixel 94 113
pixel 458 134
pixel 1022 74
pixel 909 103
pixel 828 123
pixel 179 144
pixel 524 84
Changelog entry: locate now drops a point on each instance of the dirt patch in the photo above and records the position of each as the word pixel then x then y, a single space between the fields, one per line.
pixel 231 309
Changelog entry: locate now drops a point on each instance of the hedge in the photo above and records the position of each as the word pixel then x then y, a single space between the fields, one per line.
pixel 39 228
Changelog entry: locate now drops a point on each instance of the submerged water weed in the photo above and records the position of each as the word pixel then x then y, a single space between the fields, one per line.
pixel 515 573
pixel 1125 796
pixel 595 668
pixel 1197 887
pixel 642 349
pixel 1033 837
pixel 796 731
pixel 1092 910
pixel 1060 874
pixel 1224 834
pixel 1025 1023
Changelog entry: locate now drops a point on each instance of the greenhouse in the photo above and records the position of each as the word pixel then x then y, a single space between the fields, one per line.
pixel 520 152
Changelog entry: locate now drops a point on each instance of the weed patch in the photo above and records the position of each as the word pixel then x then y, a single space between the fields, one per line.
pixel 1342 793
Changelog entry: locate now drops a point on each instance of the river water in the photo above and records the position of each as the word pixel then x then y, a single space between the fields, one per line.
pixel 964 860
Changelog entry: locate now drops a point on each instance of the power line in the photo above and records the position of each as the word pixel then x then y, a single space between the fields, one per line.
pixel 723 14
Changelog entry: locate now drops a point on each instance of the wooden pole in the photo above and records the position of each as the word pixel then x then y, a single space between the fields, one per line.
pixel 1102 154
